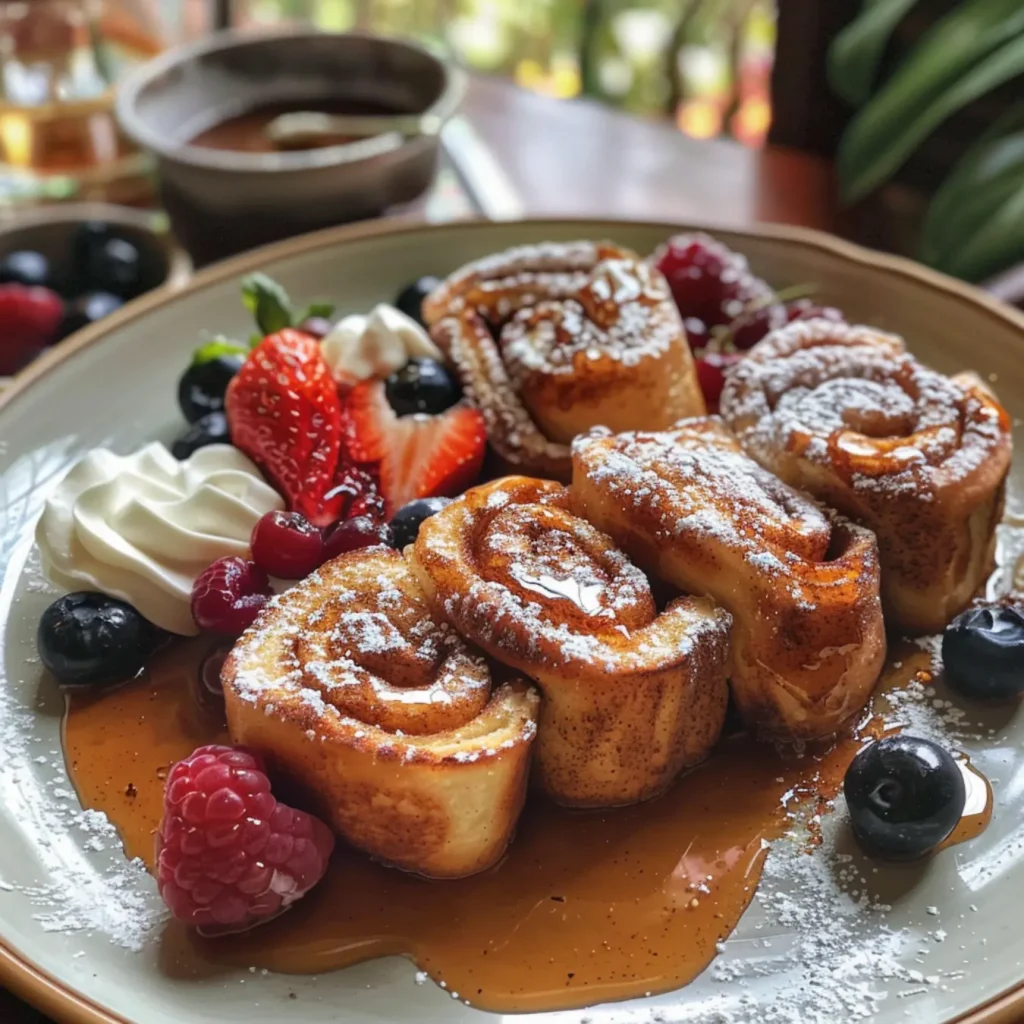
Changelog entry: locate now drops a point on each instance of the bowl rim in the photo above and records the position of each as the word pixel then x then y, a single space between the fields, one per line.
pixel 131 88
pixel 69 1006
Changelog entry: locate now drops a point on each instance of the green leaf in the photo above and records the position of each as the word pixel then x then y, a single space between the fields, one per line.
pixel 974 49
pixel 997 244
pixel 268 302
pixel 255 339
pixel 216 347
pixel 983 179
pixel 856 52
pixel 316 309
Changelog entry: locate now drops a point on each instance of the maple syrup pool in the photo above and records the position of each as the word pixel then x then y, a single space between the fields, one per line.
pixel 586 906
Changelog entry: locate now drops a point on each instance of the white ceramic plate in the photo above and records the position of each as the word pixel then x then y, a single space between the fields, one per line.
pixel 828 938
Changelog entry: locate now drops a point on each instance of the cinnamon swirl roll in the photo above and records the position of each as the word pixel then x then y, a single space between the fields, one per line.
pixel 550 340
pixel 631 695
pixel 355 690
pixel 808 641
pixel 921 459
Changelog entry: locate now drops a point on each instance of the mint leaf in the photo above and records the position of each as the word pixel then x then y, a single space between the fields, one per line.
pixel 216 347
pixel 268 302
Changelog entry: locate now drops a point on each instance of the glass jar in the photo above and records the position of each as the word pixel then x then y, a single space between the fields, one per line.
pixel 59 62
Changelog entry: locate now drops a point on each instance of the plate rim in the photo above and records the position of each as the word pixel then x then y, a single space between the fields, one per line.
pixel 67 1005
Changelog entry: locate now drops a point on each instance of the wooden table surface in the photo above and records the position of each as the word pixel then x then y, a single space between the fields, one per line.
pixel 579 159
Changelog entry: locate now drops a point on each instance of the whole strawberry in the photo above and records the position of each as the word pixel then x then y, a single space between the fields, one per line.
pixel 228 854
pixel 29 321
pixel 284 413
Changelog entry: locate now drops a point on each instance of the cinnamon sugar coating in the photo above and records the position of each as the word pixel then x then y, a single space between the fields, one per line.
pixel 552 339
pixel 802 585
pixel 631 694
pixel 355 690
pixel 921 459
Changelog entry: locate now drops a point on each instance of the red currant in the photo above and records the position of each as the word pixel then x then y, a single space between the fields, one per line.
pixel 708 280
pixel 711 369
pixel 228 595
pixel 353 534
pixel 287 544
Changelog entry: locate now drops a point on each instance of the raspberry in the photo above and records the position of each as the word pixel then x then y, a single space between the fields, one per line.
pixel 356 486
pixel 709 281
pixel 806 309
pixel 711 369
pixel 228 854
pixel 751 327
pixel 228 595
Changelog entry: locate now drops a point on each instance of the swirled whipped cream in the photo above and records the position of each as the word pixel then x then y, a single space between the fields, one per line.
pixel 376 344
pixel 142 527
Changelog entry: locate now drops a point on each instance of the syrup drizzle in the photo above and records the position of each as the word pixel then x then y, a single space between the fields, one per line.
pixel 585 907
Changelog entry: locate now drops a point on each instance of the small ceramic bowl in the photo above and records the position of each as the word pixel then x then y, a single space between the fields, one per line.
pixel 222 201
pixel 49 230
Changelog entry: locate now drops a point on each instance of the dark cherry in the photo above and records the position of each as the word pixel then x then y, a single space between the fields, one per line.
pixel 87 309
pixel 983 652
pixel 905 795
pixel 405 526
pixel 422 385
pixel 410 299
pixel 228 595
pixel 88 639
pixel 202 386
pixel 354 535
pixel 287 544
pixel 317 326
pixel 27 267
pixel 209 429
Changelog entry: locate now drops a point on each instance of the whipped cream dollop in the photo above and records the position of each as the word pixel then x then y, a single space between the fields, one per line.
pixel 142 527
pixel 376 344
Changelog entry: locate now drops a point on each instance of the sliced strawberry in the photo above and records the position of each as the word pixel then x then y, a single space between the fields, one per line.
pixel 284 413
pixel 420 456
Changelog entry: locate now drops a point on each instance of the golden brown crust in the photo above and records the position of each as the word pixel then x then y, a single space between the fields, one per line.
pixel 550 340
pixel 631 695
pixel 921 459
pixel 354 689
pixel 802 585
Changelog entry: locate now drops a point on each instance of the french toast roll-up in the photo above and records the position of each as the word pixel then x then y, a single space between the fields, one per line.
pixel 802 583
pixel 919 458
pixel 354 689
pixel 550 340
pixel 630 694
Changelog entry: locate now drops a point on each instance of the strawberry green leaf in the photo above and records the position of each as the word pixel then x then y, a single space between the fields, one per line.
pixel 268 302
pixel 216 347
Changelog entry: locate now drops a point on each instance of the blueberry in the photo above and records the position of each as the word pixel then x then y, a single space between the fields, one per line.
pixel 202 386
pixel 983 651
pixel 407 521
pixel 318 326
pixel 422 385
pixel 905 796
pixel 116 268
pixel 87 309
pixel 87 243
pixel 89 639
pixel 410 299
pixel 26 267
pixel 209 429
